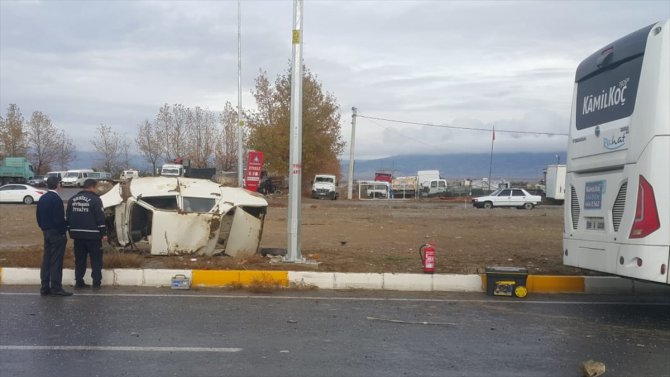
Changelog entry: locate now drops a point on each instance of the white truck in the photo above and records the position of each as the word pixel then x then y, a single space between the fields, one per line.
pixel 172 170
pixel 426 183
pixel 374 190
pixel 324 186
pixel 555 182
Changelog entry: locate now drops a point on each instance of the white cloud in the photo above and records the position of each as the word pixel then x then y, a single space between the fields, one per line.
pixel 464 63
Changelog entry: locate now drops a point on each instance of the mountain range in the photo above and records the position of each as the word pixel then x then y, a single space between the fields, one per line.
pixel 510 166
pixel 522 166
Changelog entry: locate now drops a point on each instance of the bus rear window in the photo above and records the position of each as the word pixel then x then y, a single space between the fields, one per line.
pixel 608 95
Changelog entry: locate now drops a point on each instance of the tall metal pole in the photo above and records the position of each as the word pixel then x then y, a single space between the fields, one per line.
pixel 493 138
pixel 295 167
pixel 351 153
pixel 240 123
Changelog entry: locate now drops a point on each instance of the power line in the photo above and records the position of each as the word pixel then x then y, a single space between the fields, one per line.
pixel 462 128
pixel 401 134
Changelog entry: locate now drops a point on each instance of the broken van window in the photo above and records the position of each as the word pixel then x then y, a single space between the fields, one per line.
pixel 192 204
pixel 162 202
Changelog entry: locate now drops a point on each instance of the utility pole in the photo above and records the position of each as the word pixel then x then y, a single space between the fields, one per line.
pixel 351 153
pixel 240 123
pixel 493 139
pixel 295 166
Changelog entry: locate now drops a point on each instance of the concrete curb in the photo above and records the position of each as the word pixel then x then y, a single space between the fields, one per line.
pixel 337 280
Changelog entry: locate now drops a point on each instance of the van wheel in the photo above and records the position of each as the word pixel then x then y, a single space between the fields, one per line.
pixel 28 200
pixel 528 206
pixel 488 205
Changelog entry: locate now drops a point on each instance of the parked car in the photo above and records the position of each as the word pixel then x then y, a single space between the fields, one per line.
pixel 129 174
pixel 57 174
pixel 75 178
pixel 37 181
pixel 508 197
pixel 100 176
pixel 15 193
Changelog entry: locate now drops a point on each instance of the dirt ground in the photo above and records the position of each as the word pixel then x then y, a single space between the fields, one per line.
pixel 357 236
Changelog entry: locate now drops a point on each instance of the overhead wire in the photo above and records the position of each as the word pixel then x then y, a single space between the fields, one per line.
pixel 400 133
pixel 462 128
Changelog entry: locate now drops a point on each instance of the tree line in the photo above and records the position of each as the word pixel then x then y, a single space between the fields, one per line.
pixel 203 137
pixel 43 144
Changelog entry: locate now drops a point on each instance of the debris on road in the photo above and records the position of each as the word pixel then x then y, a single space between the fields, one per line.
pixel 591 368
pixel 411 322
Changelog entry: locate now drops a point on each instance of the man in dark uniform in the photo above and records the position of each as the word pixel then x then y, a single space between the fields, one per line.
pixel 86 224
pixel 51 219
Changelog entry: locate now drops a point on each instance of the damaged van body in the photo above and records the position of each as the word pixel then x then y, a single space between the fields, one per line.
pixel 177 216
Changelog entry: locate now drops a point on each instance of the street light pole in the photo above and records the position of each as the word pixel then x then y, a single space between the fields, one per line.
pixel 240 124
pixel 295 167
pixel 351 153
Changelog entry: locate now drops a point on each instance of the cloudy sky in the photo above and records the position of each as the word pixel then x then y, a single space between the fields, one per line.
pixel 472 64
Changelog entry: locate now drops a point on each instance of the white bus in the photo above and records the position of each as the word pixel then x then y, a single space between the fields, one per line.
pixel 617 215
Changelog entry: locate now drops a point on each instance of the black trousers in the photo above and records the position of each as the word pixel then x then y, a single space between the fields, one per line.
pixel 51 273
pixel 82 249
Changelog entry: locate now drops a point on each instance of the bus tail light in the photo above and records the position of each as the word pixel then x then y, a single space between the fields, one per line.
pixel 646 215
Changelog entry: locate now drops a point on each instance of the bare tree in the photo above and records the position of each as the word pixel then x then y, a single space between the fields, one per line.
pixel 149 144
pixel 225 153
pixel 125 152
pixel 65 150
pixel 13 138
pixel 163 127
pixel 173 126
pixel 108 144
pixel 42 145
pixel 201 137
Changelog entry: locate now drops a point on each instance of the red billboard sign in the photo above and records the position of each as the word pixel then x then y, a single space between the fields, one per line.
pixel 254 168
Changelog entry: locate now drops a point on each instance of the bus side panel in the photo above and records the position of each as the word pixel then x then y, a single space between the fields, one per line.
pixel 591 255
pixel 651 118
pixel 643 262
pixel 643 258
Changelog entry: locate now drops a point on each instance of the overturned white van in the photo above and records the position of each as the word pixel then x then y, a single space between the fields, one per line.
pixel 176 216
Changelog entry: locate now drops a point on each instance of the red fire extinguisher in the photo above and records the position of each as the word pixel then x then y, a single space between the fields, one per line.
pixel 427 254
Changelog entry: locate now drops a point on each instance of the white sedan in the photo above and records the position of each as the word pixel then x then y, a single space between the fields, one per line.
pixel 508 197
pixel 16 193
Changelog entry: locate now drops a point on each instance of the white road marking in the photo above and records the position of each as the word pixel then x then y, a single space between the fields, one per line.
pixel 117 349
pixel 503 301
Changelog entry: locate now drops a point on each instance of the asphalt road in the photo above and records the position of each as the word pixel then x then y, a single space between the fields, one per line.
pixel 162 332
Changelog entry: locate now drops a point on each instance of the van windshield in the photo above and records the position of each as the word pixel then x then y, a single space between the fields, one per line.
pixel 168 171
pixel 71 175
